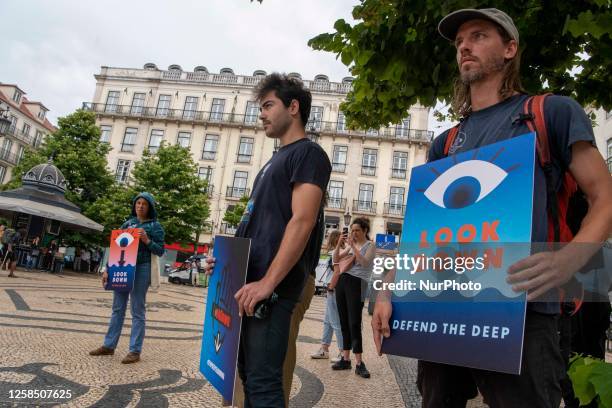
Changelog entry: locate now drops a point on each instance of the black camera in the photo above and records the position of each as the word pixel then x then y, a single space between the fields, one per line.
pixel 262 309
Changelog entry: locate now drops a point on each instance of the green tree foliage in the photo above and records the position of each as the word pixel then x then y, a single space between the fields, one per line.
pixel 398 58
pixel 182 204
pixel 591 380
pixel 232 216
pixel 112 209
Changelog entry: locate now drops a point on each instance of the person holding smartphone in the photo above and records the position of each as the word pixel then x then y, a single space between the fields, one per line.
pixel 351 291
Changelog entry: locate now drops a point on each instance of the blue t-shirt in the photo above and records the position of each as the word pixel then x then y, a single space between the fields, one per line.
pixel 566 124
pixel 269 210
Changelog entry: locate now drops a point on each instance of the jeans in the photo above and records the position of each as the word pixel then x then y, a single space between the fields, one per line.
pixel 331 321
pixel 137 302
pixel 32 262
pixel 263 345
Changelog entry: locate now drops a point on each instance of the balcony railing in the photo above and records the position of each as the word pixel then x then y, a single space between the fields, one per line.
pixel 368 207
pixel 9 157
pixel 243 158
pixel 204 117
pixel 208 190
pixel 19 135
pixel 368 170
pixel 398 173
pixel 392 209
pixel 336 203
pixel 227 229
pixel 236 192
pixel 339 167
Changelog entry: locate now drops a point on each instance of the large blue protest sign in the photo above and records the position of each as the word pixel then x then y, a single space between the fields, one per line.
pixel 221 323
pixel 475 205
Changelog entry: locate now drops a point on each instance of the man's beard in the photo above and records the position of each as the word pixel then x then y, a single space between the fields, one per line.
pixel 491 66
pixel 278 129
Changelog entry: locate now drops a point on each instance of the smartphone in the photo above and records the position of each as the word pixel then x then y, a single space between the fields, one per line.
pixel 345 230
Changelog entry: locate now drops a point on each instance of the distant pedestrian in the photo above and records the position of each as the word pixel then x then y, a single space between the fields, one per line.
pixel 331 321
pixel 11 239
pixel 34 253
pixel 76 266
pixel 85 258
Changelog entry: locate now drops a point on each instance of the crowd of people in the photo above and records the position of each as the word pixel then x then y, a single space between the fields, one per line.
pixel 15 247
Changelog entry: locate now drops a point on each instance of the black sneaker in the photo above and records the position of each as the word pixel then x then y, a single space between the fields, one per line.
pixel 362 371
pixel 342 365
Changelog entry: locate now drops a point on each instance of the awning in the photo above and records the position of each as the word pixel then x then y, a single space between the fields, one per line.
pixel 394 227
pixel 331 219
pixel 74 219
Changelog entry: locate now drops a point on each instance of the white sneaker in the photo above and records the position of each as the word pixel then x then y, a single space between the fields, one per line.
pixel 336 359
pixel 320 354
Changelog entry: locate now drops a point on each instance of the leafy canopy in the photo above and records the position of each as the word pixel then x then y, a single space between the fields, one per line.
pixel 398 58
pixel 182 202
pixel 233 214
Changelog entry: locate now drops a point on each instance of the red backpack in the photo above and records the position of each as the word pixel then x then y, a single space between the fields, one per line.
pixel 566 207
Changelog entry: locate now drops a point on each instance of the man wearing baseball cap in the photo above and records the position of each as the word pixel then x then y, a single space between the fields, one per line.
pixel 489 97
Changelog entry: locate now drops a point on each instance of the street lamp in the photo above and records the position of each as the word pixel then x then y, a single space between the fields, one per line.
pixel 347 218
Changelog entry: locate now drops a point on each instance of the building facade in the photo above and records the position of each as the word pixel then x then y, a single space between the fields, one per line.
pixel 603 134
pixel 23 125
pixel 216 117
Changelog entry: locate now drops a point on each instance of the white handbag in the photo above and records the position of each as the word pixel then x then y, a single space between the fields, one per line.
pixel 155 272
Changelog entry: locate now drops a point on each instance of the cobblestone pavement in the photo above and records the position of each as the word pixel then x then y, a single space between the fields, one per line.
pixel 49 323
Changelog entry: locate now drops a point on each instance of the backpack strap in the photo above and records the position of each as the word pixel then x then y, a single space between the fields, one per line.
pixel 533 110
pixel 533 113
pixel 450 138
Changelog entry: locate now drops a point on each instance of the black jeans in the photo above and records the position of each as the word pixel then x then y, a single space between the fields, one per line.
pixel 350 303
pixel 538 385
pixel 263 345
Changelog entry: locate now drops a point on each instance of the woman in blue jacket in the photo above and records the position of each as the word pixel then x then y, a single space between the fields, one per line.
pixel 143 216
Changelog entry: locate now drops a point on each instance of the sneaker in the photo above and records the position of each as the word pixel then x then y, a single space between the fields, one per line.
pixel 320 354
pixel 362 371
pixel 102 351
pixel 131 358
pixel 336 359
pixel 342 364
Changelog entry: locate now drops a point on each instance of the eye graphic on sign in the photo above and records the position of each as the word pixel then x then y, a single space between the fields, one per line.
pixel 465 183
pixel 124 239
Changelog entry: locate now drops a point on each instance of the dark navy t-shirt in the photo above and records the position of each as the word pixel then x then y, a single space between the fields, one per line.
pixel 566 123
pixel 269 210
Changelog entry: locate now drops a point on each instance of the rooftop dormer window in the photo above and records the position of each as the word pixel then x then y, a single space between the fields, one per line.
pixel 17 96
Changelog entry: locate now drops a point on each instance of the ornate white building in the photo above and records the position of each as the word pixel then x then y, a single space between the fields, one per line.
pixel 216 117
pixel 23 125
